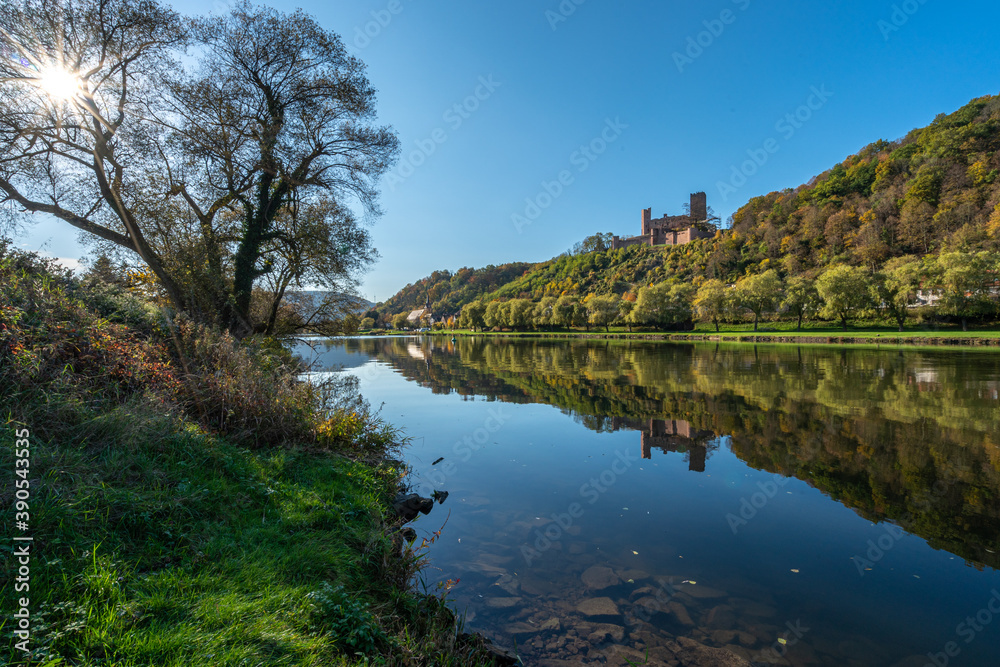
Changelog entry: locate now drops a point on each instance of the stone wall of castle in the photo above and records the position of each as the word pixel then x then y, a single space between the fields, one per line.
pixel 670 229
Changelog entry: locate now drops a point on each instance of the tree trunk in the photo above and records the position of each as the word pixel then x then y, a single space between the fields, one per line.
pixel 965 324
pixel 755 317
pixel 716 326
pixel 798 327
pixel 843 322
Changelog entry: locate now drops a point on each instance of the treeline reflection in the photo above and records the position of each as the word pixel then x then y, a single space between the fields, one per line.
pixel 908 436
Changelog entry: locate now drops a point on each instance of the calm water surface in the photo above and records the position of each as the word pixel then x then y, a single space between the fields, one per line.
pixel 792 505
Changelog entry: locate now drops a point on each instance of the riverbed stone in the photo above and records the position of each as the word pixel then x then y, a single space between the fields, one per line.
pixel 599 577
pixel 604 631
pixel 696 654
pixel 551 625
pixel 680 612
pixel 521 629
pixel 502 603
pixel 747 607
pixel 598 607
pixel 701 592
pixel 721 617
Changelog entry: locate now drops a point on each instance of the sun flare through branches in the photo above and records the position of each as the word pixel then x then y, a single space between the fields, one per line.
pixel 60 84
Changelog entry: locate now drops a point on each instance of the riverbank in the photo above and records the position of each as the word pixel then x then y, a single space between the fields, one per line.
pixel 178 498
pixel 805 337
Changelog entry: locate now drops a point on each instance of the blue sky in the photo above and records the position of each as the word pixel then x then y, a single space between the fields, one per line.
pixel 573 116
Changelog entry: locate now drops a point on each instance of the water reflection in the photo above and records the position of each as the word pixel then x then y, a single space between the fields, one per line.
pixel 736 455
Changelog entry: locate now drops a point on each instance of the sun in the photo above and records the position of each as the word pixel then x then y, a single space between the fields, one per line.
pixel 58 83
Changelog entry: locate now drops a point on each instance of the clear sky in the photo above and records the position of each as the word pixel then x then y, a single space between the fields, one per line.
pixel 632 103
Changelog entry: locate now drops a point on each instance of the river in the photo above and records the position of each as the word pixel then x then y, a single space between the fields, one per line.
pixel 611 501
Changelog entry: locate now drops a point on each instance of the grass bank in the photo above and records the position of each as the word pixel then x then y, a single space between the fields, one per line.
pixel 189 502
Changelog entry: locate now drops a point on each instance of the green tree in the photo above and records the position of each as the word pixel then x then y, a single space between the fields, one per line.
pixel 897 286
pixel 472 314
pixel 712 301
pixel 845 291
pixel 399 321
pixel 663 305
pixel 602 310
pixel 565 311
pixel 519 313
pixel 594 243
pixel 965 280
pixel 758 293
pixel 625 306
pixel 495 316
pixel 544 312
pixel 367 323
pixel 801 299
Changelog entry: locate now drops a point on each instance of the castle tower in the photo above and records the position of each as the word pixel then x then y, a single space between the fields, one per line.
pixel 647 217
pixel 699 207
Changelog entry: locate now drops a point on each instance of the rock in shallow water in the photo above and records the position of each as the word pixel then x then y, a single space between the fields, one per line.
pixel 599 578
pixel 605 631
pixel 598 607
pixel 502 603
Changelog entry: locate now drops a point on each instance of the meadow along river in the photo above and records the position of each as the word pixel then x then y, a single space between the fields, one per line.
pixel 615 502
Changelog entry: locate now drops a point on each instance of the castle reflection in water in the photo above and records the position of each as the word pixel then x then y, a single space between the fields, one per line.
pixel 670 435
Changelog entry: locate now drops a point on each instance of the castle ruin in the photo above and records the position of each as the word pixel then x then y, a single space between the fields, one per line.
pixel 672 229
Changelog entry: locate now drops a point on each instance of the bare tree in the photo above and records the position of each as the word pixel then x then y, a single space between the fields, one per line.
pixel 197 165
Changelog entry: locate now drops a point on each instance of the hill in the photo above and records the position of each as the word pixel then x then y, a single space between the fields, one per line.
pixel 448 292
pixel 936 189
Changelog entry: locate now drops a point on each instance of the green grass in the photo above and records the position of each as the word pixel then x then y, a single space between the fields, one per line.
pixel 192 502
pixel 162 546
